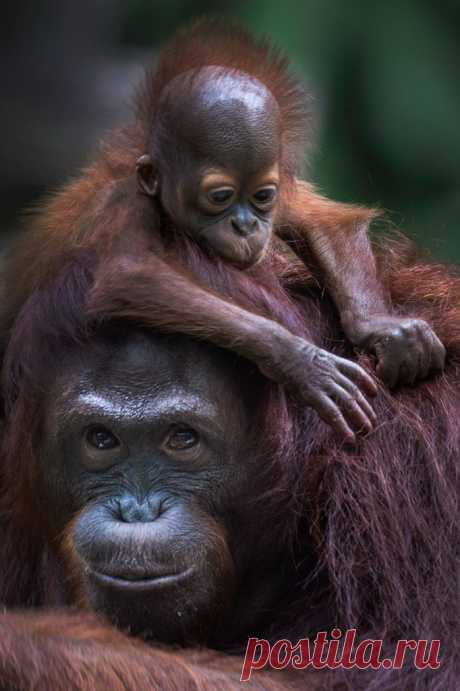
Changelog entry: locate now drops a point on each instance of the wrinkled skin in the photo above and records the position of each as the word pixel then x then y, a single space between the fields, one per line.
pixel 145 470
pixel 407 349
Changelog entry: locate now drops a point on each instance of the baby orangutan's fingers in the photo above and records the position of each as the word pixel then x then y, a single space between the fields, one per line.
pixel 438 353
pixel 358 375
pixel 388 364
pixel 351 410
pixel 409 370
pixel 331 414
pixel 425 357
pixel 358 396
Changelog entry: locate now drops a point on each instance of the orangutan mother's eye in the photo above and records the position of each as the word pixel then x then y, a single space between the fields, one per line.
pixel 182 443
pixel 101 438
pixel 182 439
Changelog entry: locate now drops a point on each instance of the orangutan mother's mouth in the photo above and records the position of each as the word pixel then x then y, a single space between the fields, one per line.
pixel 135 583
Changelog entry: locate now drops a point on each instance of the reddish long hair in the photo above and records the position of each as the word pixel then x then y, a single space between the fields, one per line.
pixel 383 517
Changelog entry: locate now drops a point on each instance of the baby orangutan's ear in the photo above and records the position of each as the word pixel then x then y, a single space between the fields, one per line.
pixel 146 175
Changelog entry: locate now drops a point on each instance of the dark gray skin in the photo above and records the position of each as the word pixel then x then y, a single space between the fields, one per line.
pixel 146 470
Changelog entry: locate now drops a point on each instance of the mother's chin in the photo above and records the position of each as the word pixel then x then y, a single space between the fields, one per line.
pixel 178 607
pixel 154 578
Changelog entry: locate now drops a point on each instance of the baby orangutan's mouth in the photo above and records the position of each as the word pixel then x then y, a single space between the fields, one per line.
pixel 246 255
pixel 242 252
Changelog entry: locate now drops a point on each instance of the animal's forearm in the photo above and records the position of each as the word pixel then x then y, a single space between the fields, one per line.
pixel 70 652
pixel 334 237
pixel 151 292
pixel 348 265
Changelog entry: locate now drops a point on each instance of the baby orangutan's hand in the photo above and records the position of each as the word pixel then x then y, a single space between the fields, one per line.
pixel 407 349
pixel 334 387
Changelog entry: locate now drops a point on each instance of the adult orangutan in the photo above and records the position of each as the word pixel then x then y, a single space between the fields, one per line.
pixel 208 170
pixel 168 487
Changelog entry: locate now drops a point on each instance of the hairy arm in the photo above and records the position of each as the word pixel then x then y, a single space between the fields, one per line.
pixel 149 291
pixel 78 652
pixel 334 237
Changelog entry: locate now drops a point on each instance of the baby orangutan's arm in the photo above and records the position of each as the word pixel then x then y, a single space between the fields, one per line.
pixel 150 291
pixel 335 237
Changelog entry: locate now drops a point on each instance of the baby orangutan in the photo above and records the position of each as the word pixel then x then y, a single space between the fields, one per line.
pixel 213 157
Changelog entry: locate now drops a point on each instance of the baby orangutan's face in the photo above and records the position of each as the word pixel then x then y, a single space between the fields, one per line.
pixel 230 214
pixel 221 184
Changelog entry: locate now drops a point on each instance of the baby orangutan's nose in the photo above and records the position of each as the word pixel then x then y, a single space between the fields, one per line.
pixel 244 223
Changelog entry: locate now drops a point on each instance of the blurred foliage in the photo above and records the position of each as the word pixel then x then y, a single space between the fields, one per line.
pixel 385 76
pixel 147 23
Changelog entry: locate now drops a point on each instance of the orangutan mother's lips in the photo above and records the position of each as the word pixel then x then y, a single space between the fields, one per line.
pixel 151 582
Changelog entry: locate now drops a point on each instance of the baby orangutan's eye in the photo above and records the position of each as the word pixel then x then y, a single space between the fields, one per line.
pixel 265 196
pixel 101 438
pixel 220 196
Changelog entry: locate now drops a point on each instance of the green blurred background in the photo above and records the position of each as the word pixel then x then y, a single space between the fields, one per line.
pixel 385 77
